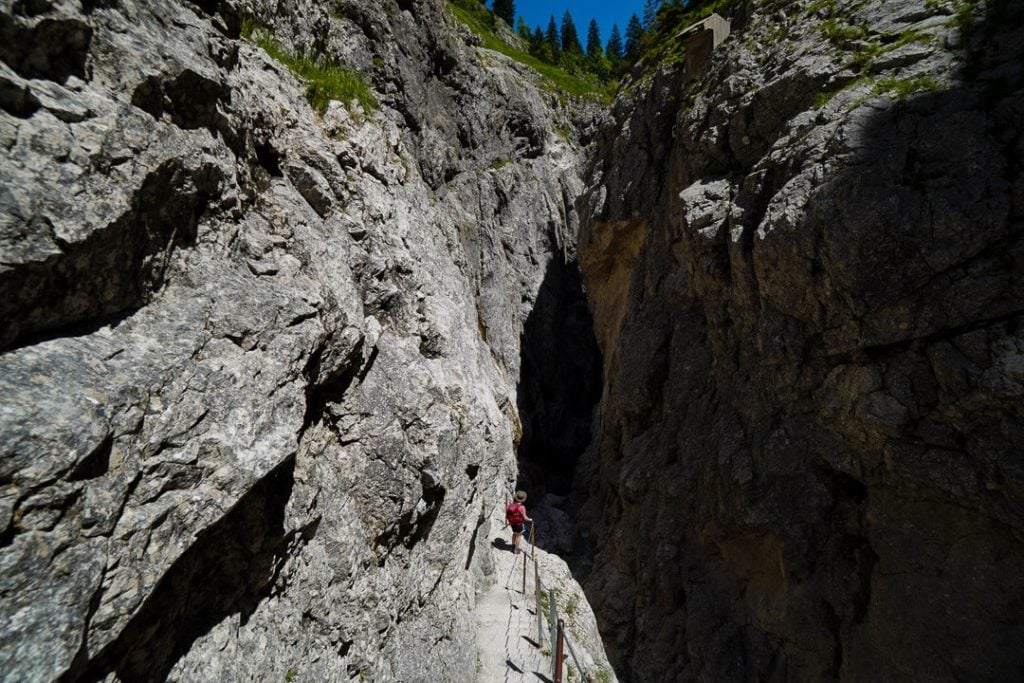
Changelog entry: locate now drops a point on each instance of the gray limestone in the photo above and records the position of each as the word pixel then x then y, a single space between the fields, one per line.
pixel 259 365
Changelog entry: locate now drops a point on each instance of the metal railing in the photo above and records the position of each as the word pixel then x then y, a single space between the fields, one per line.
pixel 558 637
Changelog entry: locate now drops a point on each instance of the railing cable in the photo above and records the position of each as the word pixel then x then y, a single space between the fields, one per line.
pixel 557 633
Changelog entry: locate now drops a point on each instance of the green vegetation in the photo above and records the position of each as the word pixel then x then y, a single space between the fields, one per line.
pixel 557 54
pixel 825 97
pixel 843 34
pixel 290 676
pixel 603 676
pixel 498 165
pixel 572 605
pixel 869 51
pixel 482 22
pixel 325 79
pixel 964 19
pixel 661 44
pixel 819 5
pixel 902 88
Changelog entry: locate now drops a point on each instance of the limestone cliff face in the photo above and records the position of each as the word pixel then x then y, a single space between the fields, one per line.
pixel 805 265
pixel 259 365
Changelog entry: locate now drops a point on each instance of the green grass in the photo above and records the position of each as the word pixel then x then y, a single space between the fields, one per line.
pixel 865 56
pixel 840 34
pixel 825 96
pixel 964 19
pixel 903 88
pixel 819 5
pixel 498 165
pixel 572 605
pixel 477 22
pixel 325 80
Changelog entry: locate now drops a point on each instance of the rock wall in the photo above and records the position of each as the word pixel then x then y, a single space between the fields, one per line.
pixel 260 366
pixel 805 266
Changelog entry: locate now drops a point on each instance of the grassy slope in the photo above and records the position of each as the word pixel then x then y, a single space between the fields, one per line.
pixel 476 21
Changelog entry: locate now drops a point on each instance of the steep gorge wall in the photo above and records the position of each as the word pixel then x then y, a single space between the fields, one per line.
pixel 260 366
pixel 805 266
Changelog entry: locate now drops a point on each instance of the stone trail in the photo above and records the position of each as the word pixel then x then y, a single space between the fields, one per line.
pixel 507 621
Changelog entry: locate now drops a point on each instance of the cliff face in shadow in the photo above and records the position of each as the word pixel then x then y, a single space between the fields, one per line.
pixel 805 266
pixel 260 362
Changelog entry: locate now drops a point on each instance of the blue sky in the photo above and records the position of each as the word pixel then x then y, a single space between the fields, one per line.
pixel 607 12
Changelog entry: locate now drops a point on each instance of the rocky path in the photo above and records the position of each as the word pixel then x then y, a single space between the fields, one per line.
pixel 507 622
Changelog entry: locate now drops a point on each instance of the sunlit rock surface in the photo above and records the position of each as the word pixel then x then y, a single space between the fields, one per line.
pixel 260 365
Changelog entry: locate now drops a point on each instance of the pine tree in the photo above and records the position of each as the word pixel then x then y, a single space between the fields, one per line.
pixel 614 49
pixel 536 42
pixel 523 30
pixel 650 13
pixel 551 38
pixel 505 9
pixel 634 38
pixel 594 50
pixel 570 39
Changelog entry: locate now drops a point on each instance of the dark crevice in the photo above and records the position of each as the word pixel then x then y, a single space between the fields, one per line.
pixel 81 658
pixel 560 380
pixel 7 535
pixel 324 390
pixel 17 100
pixel 413 526
pixel 270 159
pixel 189 99
pixel 115 270
pixel 834 624
pixel 94 464
pixel 866 559
pixel 881 351
pixel 848 488
pixel 230 569
pixel 52 49
pixel 472 540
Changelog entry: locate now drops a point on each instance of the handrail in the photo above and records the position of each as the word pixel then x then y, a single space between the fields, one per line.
pixel 557 633
pixel 576 659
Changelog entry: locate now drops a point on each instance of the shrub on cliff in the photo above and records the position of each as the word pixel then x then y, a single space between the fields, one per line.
pixel 325 79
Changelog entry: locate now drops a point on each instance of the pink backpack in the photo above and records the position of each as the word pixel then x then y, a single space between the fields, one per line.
pixel 515 513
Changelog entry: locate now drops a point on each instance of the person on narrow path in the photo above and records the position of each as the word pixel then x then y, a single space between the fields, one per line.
pixel 515 515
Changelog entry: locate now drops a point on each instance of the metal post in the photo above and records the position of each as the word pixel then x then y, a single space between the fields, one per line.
pixel 572 653
pixel 536 591
pixel 560 652
pixel 524 575
pixel 553 623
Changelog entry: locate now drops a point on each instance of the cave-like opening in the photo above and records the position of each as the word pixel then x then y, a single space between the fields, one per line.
pixel 560 381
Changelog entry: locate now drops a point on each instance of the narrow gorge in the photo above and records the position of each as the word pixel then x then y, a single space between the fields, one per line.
pixel 272 361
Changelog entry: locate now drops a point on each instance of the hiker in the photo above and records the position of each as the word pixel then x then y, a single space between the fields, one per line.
pixel 515 515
